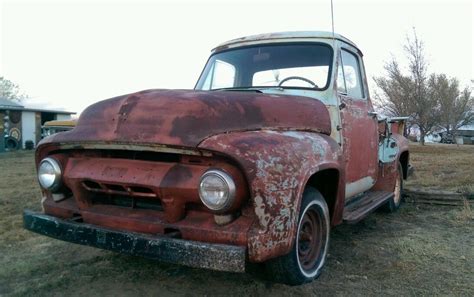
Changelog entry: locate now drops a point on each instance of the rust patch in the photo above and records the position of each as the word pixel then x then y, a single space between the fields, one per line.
pixel 185 118
pixel 125 109
pixel 277 174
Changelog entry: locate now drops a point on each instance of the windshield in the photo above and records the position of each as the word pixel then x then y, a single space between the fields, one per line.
pixel 284 65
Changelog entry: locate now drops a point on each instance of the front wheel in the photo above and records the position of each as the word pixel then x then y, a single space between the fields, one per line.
pixel 308 255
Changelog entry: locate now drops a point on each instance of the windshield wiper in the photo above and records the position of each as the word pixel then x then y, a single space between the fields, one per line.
pixel 258 88
pixel 244 89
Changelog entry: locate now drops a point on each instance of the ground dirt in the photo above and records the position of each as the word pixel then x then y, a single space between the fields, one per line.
pixel 419 250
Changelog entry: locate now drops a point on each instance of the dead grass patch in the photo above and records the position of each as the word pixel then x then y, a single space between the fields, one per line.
pixel 466 214
pixel 442 166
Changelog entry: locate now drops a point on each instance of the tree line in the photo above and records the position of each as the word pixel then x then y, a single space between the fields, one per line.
pixel 431 101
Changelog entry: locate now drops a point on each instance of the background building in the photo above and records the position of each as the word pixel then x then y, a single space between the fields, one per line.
pixel 18 123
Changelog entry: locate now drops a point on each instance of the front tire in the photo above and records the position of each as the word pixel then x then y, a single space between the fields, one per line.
pixel 308 255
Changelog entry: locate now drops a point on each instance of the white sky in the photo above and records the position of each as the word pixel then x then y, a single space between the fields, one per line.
pixel 69 54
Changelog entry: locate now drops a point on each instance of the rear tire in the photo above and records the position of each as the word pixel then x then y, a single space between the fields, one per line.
pixel 394 203
pixel 308 255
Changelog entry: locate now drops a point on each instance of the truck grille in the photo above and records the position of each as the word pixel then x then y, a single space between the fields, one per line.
pixel 128 201
pixel 105 188
pixel 122 195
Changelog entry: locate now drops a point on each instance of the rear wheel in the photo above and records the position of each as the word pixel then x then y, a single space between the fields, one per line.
pixel 307 257
pixel 394 203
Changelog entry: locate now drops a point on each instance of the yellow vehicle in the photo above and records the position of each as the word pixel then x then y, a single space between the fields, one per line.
pixel 53 127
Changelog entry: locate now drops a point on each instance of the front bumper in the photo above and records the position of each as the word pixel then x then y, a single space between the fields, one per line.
pixel 172 250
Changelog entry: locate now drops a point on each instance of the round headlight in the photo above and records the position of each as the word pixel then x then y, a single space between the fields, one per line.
pixel 217 190
pixel 49 174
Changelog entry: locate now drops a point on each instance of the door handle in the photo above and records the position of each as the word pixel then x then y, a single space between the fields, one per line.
pixel 373 114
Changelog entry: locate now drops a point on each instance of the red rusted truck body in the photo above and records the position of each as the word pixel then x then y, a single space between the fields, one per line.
pixel 130 173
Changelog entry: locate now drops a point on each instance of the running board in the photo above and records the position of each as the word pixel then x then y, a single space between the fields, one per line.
pixel 362 206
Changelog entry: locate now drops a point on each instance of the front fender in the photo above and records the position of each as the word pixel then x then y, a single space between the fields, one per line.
pixel 277 165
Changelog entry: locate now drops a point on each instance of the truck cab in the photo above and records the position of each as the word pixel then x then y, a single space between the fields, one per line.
pixel 319 65
pixel 277 143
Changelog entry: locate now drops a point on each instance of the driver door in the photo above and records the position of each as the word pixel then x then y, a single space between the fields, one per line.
pixel 359 124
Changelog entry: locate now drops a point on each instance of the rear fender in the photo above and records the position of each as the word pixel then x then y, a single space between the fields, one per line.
pixel 277 164
pixel 388 171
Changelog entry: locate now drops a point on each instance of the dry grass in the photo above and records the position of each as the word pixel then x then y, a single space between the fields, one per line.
pixel 420 250
pixel 18 190
pixel 466 214
pixel 443 166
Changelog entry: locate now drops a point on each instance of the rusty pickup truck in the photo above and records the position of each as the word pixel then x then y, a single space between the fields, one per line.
pixel 277 143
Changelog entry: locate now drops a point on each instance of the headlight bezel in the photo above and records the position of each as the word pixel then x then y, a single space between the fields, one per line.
pixel 231 190
pixel 56 184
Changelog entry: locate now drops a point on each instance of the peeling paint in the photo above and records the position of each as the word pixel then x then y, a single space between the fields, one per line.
pixel 277 175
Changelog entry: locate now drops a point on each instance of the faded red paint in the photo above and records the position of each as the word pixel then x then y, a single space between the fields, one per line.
pixel 185 118
pixel 174 185
pixel 401 141
pixel 360 135
pixel 277 151
pixel 278 165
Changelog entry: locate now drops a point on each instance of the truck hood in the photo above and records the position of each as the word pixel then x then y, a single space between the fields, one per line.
pixel 186 117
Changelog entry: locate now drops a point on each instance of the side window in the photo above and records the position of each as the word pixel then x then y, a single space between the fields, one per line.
pixel 222 76
pixel 349 79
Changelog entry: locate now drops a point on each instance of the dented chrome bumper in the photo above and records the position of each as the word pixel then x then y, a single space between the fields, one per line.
pixel 172 250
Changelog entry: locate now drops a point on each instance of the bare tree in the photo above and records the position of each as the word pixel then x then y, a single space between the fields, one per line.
pixel 456 106
pixel 397 91
pixel 409 94
pixel 10 90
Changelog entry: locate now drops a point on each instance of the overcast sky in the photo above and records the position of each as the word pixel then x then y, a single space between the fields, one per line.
pixel 69 54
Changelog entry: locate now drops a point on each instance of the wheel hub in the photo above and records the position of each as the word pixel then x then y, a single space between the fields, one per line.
pixel 310 240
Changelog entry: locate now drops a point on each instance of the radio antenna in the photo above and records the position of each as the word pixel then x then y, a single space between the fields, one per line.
pixel 332 22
